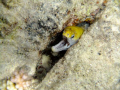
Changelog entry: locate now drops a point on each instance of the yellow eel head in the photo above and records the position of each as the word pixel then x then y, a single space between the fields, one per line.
pixel 71 35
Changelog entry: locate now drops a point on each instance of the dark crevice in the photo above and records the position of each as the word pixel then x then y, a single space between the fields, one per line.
pixel 48 52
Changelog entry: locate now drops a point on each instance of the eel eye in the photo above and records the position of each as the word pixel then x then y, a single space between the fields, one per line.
pixel 72 36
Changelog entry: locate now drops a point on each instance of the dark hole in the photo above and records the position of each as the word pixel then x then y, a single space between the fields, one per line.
pixel 48 52
pixel 99 53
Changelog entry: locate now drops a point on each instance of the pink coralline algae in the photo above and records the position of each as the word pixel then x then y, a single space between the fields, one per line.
pixel 21 78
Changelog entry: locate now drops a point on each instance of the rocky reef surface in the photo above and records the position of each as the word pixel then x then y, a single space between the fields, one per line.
pixel 28 27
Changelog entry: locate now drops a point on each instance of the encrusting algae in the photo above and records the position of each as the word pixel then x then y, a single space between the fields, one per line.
pixel 20 80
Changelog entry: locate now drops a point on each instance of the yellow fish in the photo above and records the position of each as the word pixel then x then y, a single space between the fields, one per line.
pixel 71 35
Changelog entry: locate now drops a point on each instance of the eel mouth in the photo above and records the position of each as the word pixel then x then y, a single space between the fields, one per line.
pixel 62 45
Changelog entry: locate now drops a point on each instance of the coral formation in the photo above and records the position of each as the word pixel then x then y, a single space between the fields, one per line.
pixel 7 85
pixel 21 78
pixel 28 27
